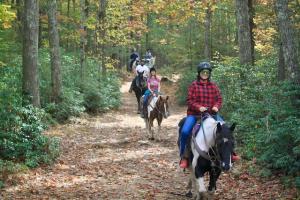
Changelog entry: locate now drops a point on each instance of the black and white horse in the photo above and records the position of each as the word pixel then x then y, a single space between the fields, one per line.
pixel 211 147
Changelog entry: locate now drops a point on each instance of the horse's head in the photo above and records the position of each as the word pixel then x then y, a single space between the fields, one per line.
pixel 163 106
pixel 141 80
pixel 225 144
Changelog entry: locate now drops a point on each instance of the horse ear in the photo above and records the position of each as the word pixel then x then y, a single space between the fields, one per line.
pixel 219 127
pixel 233 127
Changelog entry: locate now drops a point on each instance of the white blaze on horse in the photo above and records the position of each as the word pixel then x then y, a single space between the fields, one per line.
pixel 211 147
pixel 158 108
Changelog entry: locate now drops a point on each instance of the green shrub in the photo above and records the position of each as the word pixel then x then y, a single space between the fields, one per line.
pixel 21 137
pixel 71 105
pixel 104 96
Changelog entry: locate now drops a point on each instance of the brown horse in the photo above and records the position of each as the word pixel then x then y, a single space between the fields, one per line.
pixel 158 108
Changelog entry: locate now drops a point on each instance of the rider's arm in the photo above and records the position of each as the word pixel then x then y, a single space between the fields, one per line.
pixel 158 85
pixel 192 98
pixel 218 103
pixel 148 85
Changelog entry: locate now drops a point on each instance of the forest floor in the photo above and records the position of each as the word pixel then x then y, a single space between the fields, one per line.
pixel 109 157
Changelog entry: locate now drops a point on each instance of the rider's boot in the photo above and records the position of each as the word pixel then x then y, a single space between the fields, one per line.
pixel 235 157
pixel 184 163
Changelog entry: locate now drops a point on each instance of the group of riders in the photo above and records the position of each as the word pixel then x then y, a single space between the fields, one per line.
pixel 149 73
pixel 204 96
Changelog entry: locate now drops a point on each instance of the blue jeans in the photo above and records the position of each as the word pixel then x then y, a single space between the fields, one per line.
pixel 146 97
pixel 186 130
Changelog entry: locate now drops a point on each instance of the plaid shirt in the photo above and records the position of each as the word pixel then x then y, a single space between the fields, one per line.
pixel 203 94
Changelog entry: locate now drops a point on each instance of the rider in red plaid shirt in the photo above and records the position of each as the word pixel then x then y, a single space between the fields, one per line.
pixel 203 95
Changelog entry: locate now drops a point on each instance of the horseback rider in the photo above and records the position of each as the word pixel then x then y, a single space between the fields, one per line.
pixel 134 55
pixel 148 54
pixel 141 68
pixel 153 84
pixel 203 96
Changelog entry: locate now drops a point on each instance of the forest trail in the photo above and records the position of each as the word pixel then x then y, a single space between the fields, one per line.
pixel 110 157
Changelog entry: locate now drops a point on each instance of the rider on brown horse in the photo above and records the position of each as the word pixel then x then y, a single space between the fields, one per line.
pixel 153 89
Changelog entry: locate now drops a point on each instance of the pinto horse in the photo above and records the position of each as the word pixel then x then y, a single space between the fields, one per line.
pixel 211 147
pixel 139 88
pixel 158 108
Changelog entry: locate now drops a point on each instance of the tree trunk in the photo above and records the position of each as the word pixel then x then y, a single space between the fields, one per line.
pixel 40 28
pixel 30 85
pixel 54 52
pixel 74 6
pixel 244 36
pixel 147 33
pixel 281 66
pixel 288 39
pixel 251 26
pixel 19 6
pixel 68 8
pixel 82 40
pixel 88 35
pixel 207 44
pixel 102 16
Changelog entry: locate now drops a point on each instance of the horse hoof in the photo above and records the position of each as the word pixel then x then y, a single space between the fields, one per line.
pixel 138 112
pixel 152 138
pixel 189 194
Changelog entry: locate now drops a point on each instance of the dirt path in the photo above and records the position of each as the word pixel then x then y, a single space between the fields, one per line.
pixel 109 157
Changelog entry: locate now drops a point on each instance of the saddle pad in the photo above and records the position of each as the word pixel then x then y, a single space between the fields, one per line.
pixel 151 105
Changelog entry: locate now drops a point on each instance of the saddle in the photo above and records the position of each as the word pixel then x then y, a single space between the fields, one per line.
pixel 195 130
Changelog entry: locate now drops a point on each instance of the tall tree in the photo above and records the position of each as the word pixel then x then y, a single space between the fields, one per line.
pixel 82 38
pixel 207 43
pixel 288 39
pixel 251 26
pixel 30 52
pixel 102 21
pixel 54 51
pixel 244 36
pixel 281 64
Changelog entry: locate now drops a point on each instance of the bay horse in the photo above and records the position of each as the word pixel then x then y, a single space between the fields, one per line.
pixel 139 87
pixel 212 146
pixel 158 108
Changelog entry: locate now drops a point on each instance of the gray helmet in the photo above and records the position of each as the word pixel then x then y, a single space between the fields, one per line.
pixel 204 65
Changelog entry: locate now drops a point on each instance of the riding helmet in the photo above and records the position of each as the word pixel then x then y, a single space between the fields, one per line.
pixel 204 65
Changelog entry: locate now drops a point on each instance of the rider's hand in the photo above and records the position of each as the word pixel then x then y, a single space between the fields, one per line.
pixel 202 109
pixel 215 109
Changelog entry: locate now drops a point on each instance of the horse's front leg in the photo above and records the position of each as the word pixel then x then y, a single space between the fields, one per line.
pixel 198 177
pixel 214 174
pixel 138 104
pixel 159 120
pixel 151 131
pixel 148 128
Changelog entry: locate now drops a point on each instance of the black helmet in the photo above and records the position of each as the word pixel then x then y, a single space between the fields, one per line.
pixel 152 69
pixel 204 65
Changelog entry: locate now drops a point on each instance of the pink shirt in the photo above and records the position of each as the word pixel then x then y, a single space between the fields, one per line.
pixel 153 83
